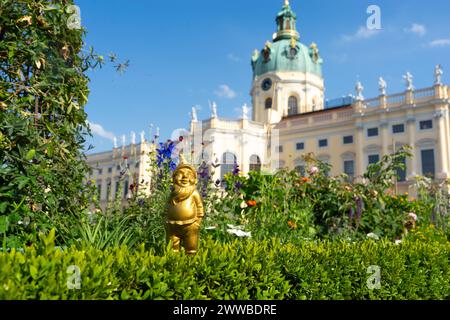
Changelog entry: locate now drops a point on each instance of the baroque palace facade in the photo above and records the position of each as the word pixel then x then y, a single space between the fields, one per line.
pixel 290 118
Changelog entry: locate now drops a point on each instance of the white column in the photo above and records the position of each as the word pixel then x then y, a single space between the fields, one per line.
pixel 447 135
pixel 412 162
pixel 384 137
pixel 441 156
pixel 360 150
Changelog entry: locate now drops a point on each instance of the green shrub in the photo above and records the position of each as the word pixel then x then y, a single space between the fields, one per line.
pixel 239 270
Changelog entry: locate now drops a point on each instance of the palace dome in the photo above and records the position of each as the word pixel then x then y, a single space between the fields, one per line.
pixel 286 53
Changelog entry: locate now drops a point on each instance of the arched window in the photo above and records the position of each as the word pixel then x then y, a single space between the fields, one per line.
pixel 288 25
pixel 268 103
pixel 292 106
pixel 229 160
pixel 255 163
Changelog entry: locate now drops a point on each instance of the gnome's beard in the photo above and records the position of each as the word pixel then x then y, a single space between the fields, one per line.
pixel 180 194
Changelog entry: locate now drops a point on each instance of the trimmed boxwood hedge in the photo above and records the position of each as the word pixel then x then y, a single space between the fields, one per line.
pixel 241 270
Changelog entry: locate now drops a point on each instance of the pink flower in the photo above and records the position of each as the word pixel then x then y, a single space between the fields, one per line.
pixel 313 170
pixel 412 215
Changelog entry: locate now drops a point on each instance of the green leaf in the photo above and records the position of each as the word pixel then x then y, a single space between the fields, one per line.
pixel 4 224
pixel 30 154
pixel 23 181
pixel 33 271
pixel 3 207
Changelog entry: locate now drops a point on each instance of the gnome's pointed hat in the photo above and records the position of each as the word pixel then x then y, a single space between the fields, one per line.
pixel 184 165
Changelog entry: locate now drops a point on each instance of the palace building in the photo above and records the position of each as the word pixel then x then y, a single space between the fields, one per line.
pixel 290 118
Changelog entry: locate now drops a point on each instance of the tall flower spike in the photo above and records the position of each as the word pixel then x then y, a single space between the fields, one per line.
pixel 182 159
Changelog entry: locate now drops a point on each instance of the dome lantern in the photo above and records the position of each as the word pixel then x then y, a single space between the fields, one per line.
pixel 286 23
pixel 286 52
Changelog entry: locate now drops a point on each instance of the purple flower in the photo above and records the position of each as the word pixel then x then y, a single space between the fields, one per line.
pixel 359 207
pixel 238 186
pixel 236 169
pixel 141 202
pixel 164 155
pixel 351 213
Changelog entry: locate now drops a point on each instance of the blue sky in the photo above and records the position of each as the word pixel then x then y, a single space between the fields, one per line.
pixel 185 52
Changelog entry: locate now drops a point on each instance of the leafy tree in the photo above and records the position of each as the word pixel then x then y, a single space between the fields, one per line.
pixel 43 123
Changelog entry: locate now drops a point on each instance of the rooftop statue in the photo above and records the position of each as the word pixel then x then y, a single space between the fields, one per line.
pixel 438 72
pixel 383 85
pixel 194 114
pixel 359 91
pixel 408 77
pixel 213 110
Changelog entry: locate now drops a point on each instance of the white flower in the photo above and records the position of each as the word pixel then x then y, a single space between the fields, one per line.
pixel 398 241
pixel 211 228
pixel 240 233
pixel 373 236
pixel 47 190
pixel 244 205
pixel 412 215
pixel 313 170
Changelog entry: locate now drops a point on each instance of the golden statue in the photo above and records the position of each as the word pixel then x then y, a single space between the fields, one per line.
pixel 185 209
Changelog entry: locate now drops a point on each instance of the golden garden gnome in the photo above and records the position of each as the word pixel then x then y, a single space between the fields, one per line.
pixel 185 209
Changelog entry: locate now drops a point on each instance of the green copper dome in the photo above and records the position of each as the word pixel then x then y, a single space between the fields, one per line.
pixel 286 53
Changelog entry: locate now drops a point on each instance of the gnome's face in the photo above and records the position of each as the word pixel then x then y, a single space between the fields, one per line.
pixel 184 178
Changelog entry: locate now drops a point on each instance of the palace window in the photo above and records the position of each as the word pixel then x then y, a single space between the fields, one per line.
pixel 426 125
pixel 372 132
pixel 280 149
pixel 348 139
pixel 401 173
pixel 268 103
pixel 323 143
pixel 300 146
pixel 349 168
pixel 100 171
pixel 229 160
pixel 125 190
pixel 109 169
pixel 292 106
pixel 255 163
pixel 428 163
pixel 398 128
pixel 374 158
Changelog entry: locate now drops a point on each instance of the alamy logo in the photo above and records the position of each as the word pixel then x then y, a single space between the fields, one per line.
pixel 374 281
pixel 74 21
pixel 374 20
pixel 74 279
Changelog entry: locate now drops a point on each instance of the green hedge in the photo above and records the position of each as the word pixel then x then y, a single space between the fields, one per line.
pixel 240 270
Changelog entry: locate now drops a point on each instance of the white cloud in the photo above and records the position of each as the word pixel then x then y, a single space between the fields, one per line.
pixel 225 91
pixel 361 34
pixel 98 130
pixel 417 29
pixel 233 57
pixel 440 43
